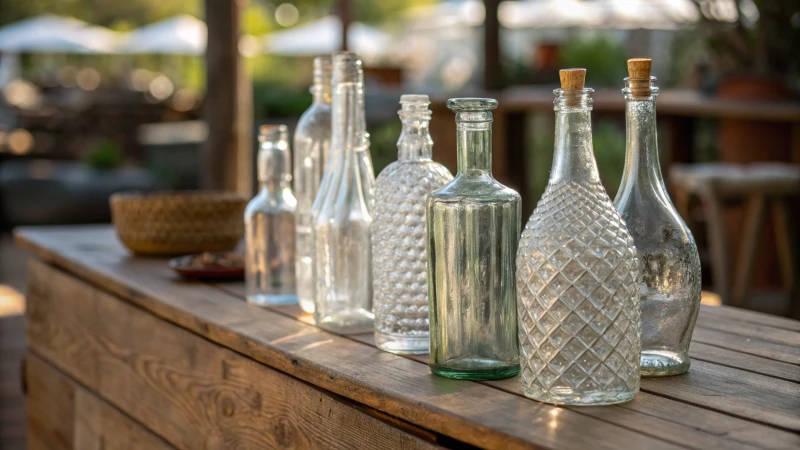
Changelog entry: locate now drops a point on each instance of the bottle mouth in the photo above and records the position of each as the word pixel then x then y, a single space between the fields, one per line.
pixel 642 88
pixel 273 133
pixel 567 99
pixel 347 68
pixel 414 107
pixel 458 105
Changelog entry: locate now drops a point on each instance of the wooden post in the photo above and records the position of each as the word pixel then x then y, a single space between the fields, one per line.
pixel 492 71
pixel 227 153
pixel 345 12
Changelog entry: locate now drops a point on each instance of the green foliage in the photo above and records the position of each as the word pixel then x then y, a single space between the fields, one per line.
pixel 104 155
pixel 604 59
pixel 383 144
pixel 609 151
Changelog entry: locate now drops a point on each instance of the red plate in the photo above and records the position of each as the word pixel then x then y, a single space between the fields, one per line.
pixel 182 265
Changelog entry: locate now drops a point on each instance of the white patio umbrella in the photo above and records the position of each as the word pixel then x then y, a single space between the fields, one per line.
pixel 324 36
pixel 548 14
pixel 53 34
pixel 648 14
pixel 180 35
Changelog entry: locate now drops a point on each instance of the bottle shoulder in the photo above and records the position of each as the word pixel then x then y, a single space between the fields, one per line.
pixel 316 117
pixel 429 173
pixel 266 202
pixel 483 189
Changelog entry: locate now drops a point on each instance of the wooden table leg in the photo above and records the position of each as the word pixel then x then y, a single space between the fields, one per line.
pixel 715 231
pixel 754 225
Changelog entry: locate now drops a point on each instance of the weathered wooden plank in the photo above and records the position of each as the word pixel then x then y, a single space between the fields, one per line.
pixel 189 391
pixel 51 404
pixel 746 316
pixel 755 331
pixel 748 345
pixel 99 426
pixel 750 363
pixel 477 414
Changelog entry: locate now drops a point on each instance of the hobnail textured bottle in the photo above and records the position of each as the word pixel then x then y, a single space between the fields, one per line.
pixel 342 248
pixel 312 139
pixel 670 288
pixel 269 223
pixel 577 275
pixel 399 254
pixel 473 229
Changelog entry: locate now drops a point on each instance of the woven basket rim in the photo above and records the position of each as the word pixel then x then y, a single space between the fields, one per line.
pixel 189 196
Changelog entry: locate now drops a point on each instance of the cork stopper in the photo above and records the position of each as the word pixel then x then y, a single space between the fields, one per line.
pixel 639 77
pixel 572 79
pixel 639 68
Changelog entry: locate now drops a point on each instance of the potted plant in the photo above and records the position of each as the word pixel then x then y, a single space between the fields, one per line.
pixel 756 58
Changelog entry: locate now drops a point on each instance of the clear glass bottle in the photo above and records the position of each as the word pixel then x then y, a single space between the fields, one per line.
pixel 342 249
pixel 577 275
pixel 269 223
pixel 312 139
pixel 473 229
pixel 400 257
pixel 670 289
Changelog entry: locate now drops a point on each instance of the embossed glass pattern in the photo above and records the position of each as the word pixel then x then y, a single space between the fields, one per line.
pixel 269 223
pixel 577 279
pixel 400 259
pixel 342 248
pixel 473 226
pixel 312 139
pixel 670 288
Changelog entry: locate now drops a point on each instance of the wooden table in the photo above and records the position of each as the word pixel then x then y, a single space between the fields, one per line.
pixel 125 355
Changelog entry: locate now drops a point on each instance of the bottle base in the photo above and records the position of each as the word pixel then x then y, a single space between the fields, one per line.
pixel 272 299
pixel 567 396
pixel 475 368
pixel 662 363
pixel 347 322
pixel 306 305
pixel 403 345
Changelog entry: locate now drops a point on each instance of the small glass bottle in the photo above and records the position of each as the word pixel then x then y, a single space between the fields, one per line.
pixel 577 275
pixel 473 226
pixel 342 249
pixel 269 223
pixel 670 289
pixel 312 139
pixel 400 258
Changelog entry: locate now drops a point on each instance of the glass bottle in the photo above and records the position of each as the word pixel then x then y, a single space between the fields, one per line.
pixel 473 230
pixel 312 139
pixel 269 223
pixel 400 258
pixel 342 250
pixel 670 288
pixel 577 275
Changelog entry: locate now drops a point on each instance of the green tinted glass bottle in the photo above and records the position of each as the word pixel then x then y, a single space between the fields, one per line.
pixel 473 227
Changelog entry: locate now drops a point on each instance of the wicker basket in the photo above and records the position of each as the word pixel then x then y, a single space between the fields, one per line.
pixel 175 223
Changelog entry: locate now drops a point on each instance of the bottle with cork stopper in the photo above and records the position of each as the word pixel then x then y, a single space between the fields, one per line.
pixel 269 223
pixel 577 275
pixel 670 287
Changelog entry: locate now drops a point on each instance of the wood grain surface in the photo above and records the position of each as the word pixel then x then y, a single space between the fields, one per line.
pixel 740 393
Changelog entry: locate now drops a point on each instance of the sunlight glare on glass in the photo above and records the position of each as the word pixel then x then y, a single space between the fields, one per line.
pixel 286 14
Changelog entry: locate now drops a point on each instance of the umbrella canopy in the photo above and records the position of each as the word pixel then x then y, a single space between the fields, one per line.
pixel 180 35
pixel 324 36
pixel 53 34
pixel 548 14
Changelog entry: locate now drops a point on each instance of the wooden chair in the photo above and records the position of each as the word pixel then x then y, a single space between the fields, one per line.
pixel 764 187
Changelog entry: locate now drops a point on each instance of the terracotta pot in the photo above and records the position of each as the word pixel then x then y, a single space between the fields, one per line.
pixel 746 141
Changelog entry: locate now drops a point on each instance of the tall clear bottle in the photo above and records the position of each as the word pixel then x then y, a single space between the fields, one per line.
pixel 269 223
pixel 670 288
pixel 312 139
pixel 400 258
pixel 342 248
pixel 577 275
pixel 473 226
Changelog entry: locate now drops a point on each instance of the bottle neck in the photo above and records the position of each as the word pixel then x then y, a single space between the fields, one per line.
pixel 642 166
pixel 274 166
pixel 474 146
pixel 415 141
pixel 573 158
pixel 349 124
pixel 321 93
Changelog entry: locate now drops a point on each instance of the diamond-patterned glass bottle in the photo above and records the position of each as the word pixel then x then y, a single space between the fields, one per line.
pixel 473 227
pixel 312 139
pixel 670 289
pixel 269 223
pixel 577 275
pixel 342 248
pixel 399 254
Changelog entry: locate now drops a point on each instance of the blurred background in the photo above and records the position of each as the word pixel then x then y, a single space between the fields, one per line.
pixel 99 96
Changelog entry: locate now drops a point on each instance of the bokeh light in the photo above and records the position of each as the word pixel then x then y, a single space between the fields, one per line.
pixel 161 87
pixel 20 141
pixel 286 14
pixel 88 79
